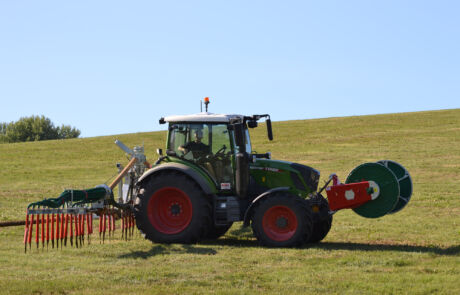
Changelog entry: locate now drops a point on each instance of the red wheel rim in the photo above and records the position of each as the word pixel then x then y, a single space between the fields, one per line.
pixel 279 223
pixel 170 210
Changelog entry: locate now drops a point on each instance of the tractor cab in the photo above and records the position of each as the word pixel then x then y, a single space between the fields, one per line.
pixel 219 144
pixel 204 140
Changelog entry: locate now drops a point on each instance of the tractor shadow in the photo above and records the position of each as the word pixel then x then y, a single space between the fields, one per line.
pixel 349 246
pixel 242 237
pixel 169 249
pixel 450 251
pixel 207 248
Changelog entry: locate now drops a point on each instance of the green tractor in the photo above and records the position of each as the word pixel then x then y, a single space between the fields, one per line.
pixel 210 177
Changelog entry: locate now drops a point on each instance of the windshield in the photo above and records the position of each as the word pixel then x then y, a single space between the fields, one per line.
pixel 207 145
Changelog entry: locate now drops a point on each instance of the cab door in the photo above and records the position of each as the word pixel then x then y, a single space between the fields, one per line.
pixel 220 159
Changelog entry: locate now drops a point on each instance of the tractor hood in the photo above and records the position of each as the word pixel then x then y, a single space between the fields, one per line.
pixel 275 173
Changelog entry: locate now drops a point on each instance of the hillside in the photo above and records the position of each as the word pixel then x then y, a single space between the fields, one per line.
pixel 414 250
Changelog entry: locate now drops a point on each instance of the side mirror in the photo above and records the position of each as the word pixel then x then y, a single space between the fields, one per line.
pixel 269 129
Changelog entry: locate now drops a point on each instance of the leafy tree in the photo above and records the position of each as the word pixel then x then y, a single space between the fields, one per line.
pixel 35 128
pixel 3 132
pixel 3 128
pixel 66 131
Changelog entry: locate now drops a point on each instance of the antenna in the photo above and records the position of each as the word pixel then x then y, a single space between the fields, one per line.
pixel 201 106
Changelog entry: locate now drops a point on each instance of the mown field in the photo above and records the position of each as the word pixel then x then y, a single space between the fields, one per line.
pixel 416 251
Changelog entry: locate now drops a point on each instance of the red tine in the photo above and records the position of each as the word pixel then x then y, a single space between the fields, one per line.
pixel 66 228
pixel 83 227
pixel 71 230
pixel 114 224
pixel 62 229
pixel 86 217
pixel 76 230
pixel 43 230
pixel 57 230
pixel 29 239
pixel 126 226
pixel 100 226
pixel 47 230
pixel 37 234
pixel 110 223
pixel 104 226
pixel 88 224
pixel 26 232
pixel 52 230
pixel 133 224
pixel 122 224
pixel 91 222
pixel 79 229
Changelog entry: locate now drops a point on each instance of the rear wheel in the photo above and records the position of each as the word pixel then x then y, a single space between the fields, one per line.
pixel 322 220
pixel 172 208
pixel 282 220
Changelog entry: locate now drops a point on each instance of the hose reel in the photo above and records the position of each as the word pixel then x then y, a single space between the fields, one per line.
pixel 372 190
pixel 395 187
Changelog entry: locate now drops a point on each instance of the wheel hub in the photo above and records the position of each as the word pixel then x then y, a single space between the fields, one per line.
pixel 175 209
pixel 281 222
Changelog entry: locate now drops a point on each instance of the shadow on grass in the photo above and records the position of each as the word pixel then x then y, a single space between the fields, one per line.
pixel 252 243
pixel 232 242
pixel 169 249
pixel 454 250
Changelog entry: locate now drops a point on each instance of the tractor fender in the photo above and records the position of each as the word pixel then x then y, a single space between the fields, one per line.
pixel 190 172
pixel 248 213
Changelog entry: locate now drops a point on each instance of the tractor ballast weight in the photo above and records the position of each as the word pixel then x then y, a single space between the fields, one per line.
pixel 210 177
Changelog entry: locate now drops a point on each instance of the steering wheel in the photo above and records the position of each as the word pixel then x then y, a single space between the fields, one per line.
pixel 219 155
pixel 221 150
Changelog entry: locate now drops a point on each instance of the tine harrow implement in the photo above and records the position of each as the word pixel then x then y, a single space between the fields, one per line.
pixel 70 217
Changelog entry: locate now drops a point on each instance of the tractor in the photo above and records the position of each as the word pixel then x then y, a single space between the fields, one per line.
pixel 209 177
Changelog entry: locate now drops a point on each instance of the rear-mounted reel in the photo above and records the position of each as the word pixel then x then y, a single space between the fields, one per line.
pixel 372 190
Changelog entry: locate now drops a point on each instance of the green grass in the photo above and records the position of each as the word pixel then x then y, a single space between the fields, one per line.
pixel 415 251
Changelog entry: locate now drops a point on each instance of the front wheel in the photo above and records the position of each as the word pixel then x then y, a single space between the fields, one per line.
pixel 172 208
pixel 282 220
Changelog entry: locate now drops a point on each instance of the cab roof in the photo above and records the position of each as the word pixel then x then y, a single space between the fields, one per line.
pixel 203 117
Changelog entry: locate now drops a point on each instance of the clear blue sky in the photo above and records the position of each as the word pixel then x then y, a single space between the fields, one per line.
pixel 112 67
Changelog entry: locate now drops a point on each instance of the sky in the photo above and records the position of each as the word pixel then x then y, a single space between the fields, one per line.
pixel 115 67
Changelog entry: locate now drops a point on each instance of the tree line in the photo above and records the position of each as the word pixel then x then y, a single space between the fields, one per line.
pixel 35 128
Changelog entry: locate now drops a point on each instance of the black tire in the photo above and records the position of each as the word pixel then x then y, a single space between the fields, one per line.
pixel 282 220
pixel 216 231
pixel 322 220
pixel 172 208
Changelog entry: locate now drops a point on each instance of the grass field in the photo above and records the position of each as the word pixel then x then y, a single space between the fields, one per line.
pixel 416 251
